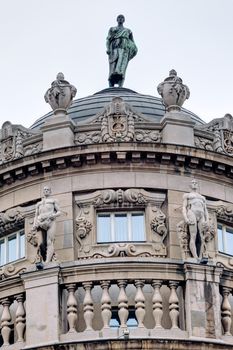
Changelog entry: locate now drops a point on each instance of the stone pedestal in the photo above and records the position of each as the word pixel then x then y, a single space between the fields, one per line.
pixel 58 131
pixel 203 301
pixel 177 128
pixel 42 306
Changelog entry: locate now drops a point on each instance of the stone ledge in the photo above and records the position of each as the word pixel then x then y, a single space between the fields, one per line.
pixel 176 156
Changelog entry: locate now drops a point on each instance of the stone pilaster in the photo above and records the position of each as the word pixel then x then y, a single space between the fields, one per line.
pixel 58 131
pixel 178 128
pixel 42 306
pixel 203 301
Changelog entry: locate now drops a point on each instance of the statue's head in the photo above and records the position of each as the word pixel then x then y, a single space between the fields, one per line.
pixel 120 19
pixel 194 184
pixel 60 76
pixel 172 73
pixel 47 191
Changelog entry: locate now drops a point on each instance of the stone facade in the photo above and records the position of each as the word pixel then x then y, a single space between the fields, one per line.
pixel 147 290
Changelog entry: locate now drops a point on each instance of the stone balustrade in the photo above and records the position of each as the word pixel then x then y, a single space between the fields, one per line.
pixel 226 311
pixel 120 306
pixel 13 321
pixel 92 301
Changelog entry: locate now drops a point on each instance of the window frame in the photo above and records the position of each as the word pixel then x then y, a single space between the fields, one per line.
pixel 5 242
pixel 222 229
pixel 113 214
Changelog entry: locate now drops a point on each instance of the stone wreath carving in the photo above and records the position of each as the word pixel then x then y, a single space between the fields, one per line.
pixel 11 219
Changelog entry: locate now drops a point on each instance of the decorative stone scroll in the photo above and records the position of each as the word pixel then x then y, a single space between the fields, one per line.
pixel 118 122
pixel 13 139
pixel 11 219
pixel 222 135
pixel 122 250
pixel 10 270
pixel 120 197
pixel 83 225
pixel 159 229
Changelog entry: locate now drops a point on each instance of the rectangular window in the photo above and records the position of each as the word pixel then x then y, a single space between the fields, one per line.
pixel 225 239
pixel 120 227
pixel 12 247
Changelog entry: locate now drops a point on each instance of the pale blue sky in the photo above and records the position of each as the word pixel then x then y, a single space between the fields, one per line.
pixel 42 37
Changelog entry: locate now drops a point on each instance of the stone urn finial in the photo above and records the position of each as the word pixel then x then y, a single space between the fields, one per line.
pixel 173 92
pixel 61 94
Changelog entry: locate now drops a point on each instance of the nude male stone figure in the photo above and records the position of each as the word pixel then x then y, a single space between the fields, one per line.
pixel 46 212
pixel 196 217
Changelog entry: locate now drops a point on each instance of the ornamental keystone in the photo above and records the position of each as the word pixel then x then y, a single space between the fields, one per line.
pixel 61 94
pixel 173 92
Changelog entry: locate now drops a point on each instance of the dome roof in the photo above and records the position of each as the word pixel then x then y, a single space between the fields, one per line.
pixel 87 107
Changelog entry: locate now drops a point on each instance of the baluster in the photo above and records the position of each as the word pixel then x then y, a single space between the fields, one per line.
pixel 88 306
pixel 20 318
pixel 106 304
pixel 157 303
pixel 174 304
pixel 226 311
pixel 123 312
pixel 72 305
pixel 140 303
pixel 6 321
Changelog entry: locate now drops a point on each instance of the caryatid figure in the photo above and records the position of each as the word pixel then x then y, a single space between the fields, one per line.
pixel 47 210
pixel 121 49
pixel 196 217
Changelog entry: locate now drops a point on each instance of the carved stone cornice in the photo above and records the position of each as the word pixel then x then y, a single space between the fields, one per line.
pixel 130 153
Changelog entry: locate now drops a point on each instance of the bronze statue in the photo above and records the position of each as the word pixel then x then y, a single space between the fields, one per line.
pixel 121 49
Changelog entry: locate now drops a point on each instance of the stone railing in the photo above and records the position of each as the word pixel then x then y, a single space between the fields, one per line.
pixel 13 321
pixel 105 299
pixel 119 308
